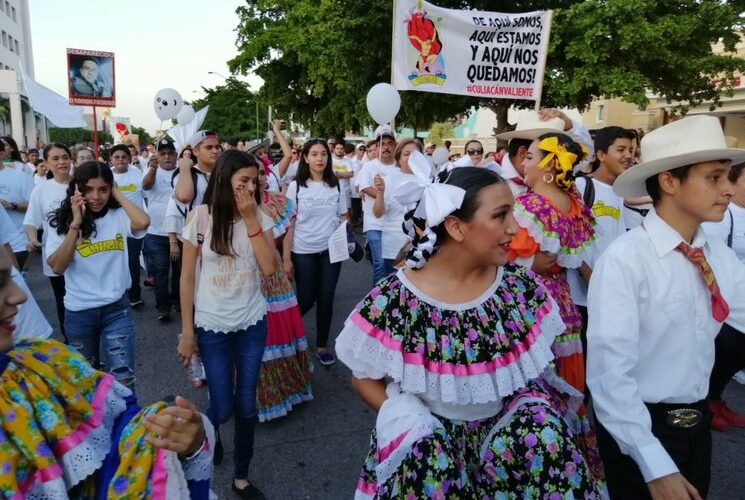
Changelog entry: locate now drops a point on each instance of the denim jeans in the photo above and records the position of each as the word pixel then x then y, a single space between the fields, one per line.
pixel 134 247
pixel 158 253
pixel 109 328
pixel 375 241
pixel 315 280
pixel 224 354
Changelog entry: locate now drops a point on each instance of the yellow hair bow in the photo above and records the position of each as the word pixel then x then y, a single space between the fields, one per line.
pixel 564 159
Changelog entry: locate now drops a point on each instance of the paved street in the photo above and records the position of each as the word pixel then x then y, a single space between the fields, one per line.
pixel 316 452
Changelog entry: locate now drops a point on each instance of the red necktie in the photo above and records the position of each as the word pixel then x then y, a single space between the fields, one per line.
pixel 719 307
pixel 518 180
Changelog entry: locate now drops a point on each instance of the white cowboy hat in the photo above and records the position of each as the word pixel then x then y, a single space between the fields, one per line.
pixel 530 126
pixel 692 140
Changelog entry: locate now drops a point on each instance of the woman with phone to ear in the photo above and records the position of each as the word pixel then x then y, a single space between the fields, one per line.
pixel 88 240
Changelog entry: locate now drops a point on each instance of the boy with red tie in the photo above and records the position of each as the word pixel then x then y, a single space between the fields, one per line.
pixel 657 299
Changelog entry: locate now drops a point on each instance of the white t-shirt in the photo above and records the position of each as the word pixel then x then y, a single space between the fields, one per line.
pixel 356 167
pixel 291 172
pixel 607 209
pixel 129 183
pixel 343 165
pixel 272 179
pixel 158 197
pixel 21 167
pixel 15 187
pixel 30 321
pixel 45 198
pixel 318 210
pixel 98 273
pixel 10 234
pixel 176 211
pixel 734 222
pixel 394 237
pixel 228 296
pixel 367 179
pixel 38 179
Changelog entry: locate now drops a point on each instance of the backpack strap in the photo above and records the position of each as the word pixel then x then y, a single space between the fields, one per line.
pixel 731 227
pixel 194 171
pixel 588 195
pixel 202 216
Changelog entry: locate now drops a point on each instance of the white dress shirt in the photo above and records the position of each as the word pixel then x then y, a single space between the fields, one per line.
pixel 651 332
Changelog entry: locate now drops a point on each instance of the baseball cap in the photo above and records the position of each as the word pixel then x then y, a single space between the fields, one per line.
pixel 232 142
pixel 197 138
pixel 165 143
pixel 384 131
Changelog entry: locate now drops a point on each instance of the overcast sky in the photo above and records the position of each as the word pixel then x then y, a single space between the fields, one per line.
pixel 157 44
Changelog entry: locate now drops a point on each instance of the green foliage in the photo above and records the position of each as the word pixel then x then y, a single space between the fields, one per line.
pixel 145 138
pixel 72 136
pixel 439 131
pixel 319 58
pixel 232 111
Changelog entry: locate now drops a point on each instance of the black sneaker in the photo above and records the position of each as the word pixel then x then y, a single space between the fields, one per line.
pixel 164 315
pixel 136 303
pixel 250 492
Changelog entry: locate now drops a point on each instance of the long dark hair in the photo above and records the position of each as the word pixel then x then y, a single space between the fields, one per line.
pixel 427 240
pixel 62 217
pixel 15 153
pixel 303 169
pixel 220 198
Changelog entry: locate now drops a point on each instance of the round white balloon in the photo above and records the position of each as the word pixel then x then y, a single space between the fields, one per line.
pixel 383 103
pixel 440 156
pixel 167 103
pixel 186 115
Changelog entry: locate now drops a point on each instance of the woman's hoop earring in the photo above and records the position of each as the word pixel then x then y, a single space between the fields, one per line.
pixel 548 178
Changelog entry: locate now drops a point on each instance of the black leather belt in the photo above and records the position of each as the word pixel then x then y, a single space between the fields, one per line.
pixel 679 415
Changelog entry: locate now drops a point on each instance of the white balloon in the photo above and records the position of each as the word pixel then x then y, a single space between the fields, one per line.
pixel 440 156
pixel 167 103
pixel 383 103
pixel 186 115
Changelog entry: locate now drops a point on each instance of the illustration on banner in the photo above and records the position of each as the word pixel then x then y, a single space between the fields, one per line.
pixel 428 62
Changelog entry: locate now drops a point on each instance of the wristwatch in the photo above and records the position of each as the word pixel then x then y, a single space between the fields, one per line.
pixel 14 205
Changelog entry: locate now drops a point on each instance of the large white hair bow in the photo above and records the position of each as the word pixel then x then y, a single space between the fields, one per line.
pixel 436 200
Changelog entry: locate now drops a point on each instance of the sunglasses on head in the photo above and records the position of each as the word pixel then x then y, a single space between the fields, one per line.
pixel 472 152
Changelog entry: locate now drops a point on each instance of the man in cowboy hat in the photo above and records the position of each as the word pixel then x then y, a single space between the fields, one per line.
pixel 658 297
pixel 530 126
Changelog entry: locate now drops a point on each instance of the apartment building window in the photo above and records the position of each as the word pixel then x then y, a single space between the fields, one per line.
pixel 13 9
pixel 10 42
pixel 5 39
pixel 7 8
pixel 2 8
pixel 15 42
pixel 600 113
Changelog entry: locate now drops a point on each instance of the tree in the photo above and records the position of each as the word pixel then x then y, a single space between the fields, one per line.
pixel 233 111
pixel 72 136
pixel 145 138
pixel 439 131
pixel 318 59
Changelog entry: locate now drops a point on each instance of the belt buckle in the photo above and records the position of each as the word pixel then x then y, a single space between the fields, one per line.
pixel 684 418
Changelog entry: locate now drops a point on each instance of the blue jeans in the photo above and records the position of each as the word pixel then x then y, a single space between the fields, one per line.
pixel 224 354
pixel 158 253
pixel 134 247
pixel 110 328
pixel 315 280
pixel 375 241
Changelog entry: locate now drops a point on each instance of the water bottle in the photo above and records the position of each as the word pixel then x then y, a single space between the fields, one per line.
pixel 195 371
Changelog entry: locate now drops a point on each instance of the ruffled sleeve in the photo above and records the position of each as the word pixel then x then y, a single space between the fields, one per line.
pixel 566 235
pixel 467 354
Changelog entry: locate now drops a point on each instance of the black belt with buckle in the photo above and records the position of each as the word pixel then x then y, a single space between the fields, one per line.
pixel 680 416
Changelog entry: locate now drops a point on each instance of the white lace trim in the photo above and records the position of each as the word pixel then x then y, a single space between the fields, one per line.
pixel 503 420
pixel 549 244
pixel 200 467
pixel 51 490
pixel 576 398
pixel 285 350
pixel 87 457
pixel 369 358
pixel 176 486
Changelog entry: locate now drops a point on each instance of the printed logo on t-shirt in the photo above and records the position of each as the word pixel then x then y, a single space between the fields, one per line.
pixel 600 209
pixel 130 188
pixel 86 248
pixel 340 167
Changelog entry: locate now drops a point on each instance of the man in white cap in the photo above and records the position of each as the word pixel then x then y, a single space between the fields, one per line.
pixel 657 299
pixel 373 226
pixel 206 148
pixel 530 126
